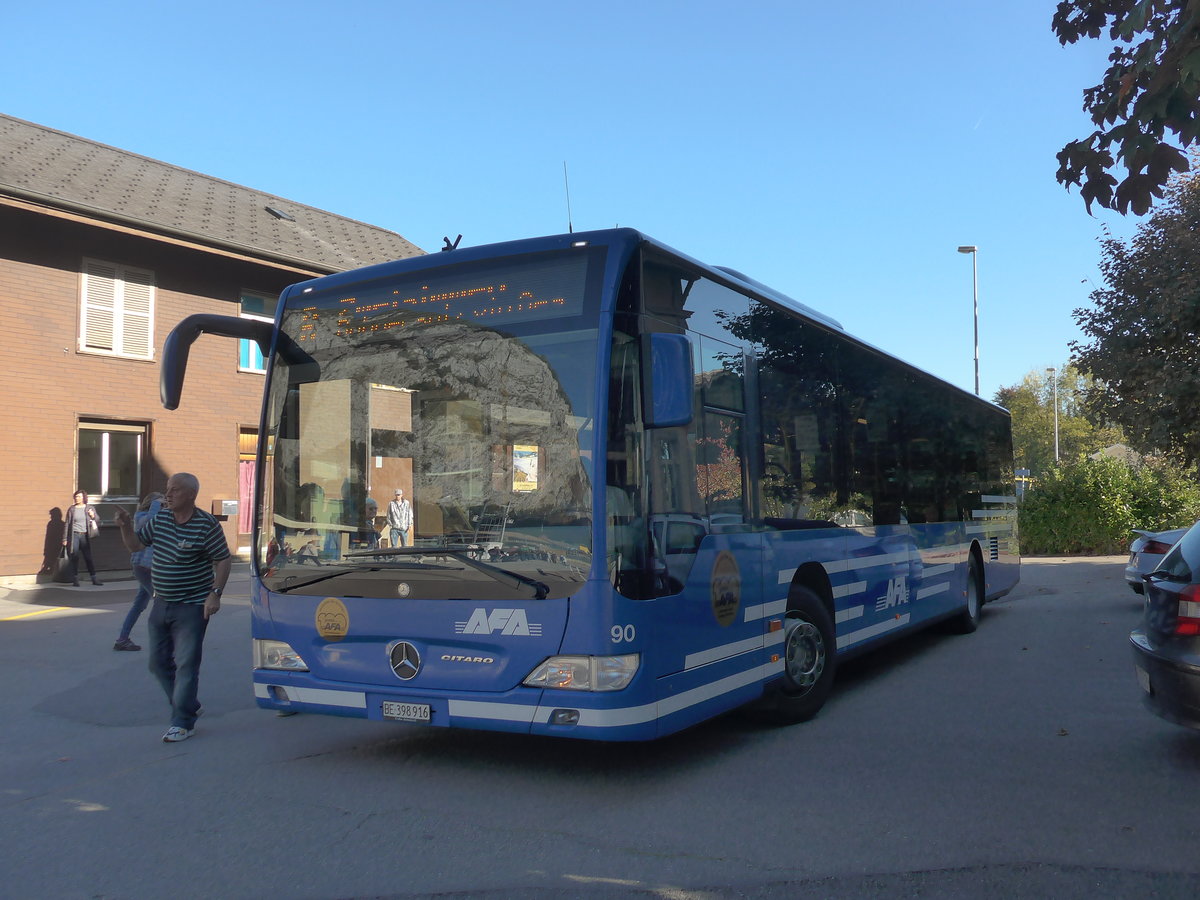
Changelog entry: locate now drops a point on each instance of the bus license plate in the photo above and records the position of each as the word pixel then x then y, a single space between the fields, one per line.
pixel 406 712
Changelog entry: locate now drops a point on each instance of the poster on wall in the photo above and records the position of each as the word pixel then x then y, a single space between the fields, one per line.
pixel 525 467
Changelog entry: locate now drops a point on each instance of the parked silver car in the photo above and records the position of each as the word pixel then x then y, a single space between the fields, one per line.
pixel 1147 552
pixel 1166 646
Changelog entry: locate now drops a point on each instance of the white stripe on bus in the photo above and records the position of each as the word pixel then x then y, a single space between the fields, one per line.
pixel 871 631
pixel 763 610
pixel 649 712
pixel 994 528
pixel 348 699
pixel 615 718
pixel 486 709
pixel 932 589
pixel 704 657
pixel 857 564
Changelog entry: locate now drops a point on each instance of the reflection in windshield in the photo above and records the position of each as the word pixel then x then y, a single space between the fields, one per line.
pixel 486 432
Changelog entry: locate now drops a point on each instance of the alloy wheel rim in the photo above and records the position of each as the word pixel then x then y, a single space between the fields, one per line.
pixel 804 654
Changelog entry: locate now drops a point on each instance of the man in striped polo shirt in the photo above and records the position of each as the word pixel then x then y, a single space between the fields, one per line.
pixel 191 566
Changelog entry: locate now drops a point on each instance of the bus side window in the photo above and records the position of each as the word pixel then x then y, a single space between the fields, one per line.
pixel 677 521
pixel 804 482
pixel 720 470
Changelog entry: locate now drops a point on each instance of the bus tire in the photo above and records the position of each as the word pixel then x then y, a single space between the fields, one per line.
pixel 968 620
pixel 809 661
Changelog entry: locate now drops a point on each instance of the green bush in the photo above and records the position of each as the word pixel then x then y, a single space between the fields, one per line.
pixel 1092 506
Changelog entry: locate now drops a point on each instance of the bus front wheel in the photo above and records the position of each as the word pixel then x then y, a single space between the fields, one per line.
pixel 809 660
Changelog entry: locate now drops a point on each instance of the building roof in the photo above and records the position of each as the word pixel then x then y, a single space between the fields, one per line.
pixel 68 172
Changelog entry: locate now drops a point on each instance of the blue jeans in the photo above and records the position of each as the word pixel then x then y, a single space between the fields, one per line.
pixel 140 599
pixel 176 647
pixel 399 537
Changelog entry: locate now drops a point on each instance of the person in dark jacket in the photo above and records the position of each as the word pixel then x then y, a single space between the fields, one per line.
pixel 82 524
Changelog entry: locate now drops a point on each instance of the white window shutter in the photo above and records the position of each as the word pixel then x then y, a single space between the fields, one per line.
pixel 99 305
pixel 137 313
pixel 118 309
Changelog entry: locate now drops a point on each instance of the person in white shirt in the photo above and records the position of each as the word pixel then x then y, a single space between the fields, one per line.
pixel 399 519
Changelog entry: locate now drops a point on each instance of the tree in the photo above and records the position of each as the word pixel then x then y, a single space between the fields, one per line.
pixel 1147 106
pixel 1144 330
pixel 1031 404
pixel 1092 505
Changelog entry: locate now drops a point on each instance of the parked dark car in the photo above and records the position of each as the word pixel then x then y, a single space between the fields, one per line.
pixel 1166 647
pixel 1146 552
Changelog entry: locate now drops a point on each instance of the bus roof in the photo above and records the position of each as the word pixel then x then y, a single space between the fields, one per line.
pixel 628 237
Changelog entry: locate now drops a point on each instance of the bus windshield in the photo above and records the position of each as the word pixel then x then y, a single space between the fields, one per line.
pixel 432 438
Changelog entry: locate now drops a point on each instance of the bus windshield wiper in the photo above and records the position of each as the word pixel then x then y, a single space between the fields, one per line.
pixel 340 572
pixel 291 587
pixel 462 554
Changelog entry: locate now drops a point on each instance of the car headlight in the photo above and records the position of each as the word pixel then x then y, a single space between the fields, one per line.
pixel 585 673
pixel 277 655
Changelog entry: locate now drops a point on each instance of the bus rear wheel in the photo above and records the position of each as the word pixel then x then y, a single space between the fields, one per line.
pixel 968 620
pixel 809 660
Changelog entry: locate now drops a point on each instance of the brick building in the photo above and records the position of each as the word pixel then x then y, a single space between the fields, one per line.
pixel 102 252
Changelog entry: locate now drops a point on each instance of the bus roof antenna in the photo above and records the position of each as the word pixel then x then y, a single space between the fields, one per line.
pixel 567 187
pixel 450 246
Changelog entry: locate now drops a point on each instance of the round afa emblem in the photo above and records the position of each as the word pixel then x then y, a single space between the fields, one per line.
pixel 726 588
pixel 333 621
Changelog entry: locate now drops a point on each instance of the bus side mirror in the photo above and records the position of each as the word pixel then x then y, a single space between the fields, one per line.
pixel 182 336
pixel 667 379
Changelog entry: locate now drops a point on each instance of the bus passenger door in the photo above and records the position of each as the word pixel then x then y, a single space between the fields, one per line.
pixel 700 524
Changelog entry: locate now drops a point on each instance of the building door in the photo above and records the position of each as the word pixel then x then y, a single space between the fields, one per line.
pixel 247 451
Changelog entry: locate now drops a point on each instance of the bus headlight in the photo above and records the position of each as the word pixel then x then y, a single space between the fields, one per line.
pixel 277 655
pixel 585 673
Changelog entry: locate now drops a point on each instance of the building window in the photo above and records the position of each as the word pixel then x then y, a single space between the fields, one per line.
pixel 262 308
pixel 110 461
pixel 117 314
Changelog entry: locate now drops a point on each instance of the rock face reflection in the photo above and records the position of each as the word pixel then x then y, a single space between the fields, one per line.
pixel 474 398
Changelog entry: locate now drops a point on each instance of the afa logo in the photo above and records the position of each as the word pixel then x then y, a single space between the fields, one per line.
pixel 897 593
pixel 333 620
pixel 499 621
pixel 726 588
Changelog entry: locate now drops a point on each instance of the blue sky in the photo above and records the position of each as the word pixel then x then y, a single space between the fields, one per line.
pixel 837 152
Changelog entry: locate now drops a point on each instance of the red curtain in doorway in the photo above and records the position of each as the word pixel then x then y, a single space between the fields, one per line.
pixel 245 495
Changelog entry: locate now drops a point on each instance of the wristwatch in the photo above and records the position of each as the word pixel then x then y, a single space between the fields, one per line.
pixel 217 591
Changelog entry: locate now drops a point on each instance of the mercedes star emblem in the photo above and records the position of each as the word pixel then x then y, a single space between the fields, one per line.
pixel 406 661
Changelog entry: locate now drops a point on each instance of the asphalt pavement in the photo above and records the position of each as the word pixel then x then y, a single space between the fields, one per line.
pixel 1013 762
pixel 20 600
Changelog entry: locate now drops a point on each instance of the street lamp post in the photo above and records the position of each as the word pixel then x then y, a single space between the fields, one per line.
pixel 1054 380
pixel 974 251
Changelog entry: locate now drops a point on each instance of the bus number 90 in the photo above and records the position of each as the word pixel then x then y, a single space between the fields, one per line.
pixel 623 633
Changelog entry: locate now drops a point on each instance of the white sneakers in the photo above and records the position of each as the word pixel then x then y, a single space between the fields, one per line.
pixel 175 734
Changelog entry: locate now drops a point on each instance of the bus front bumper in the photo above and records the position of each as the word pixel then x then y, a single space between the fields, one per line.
pixel 523 710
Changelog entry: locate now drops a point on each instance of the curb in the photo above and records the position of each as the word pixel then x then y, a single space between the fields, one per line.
pixel 114 583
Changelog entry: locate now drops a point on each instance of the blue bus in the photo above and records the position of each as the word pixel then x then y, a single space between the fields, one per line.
pixel 643 490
